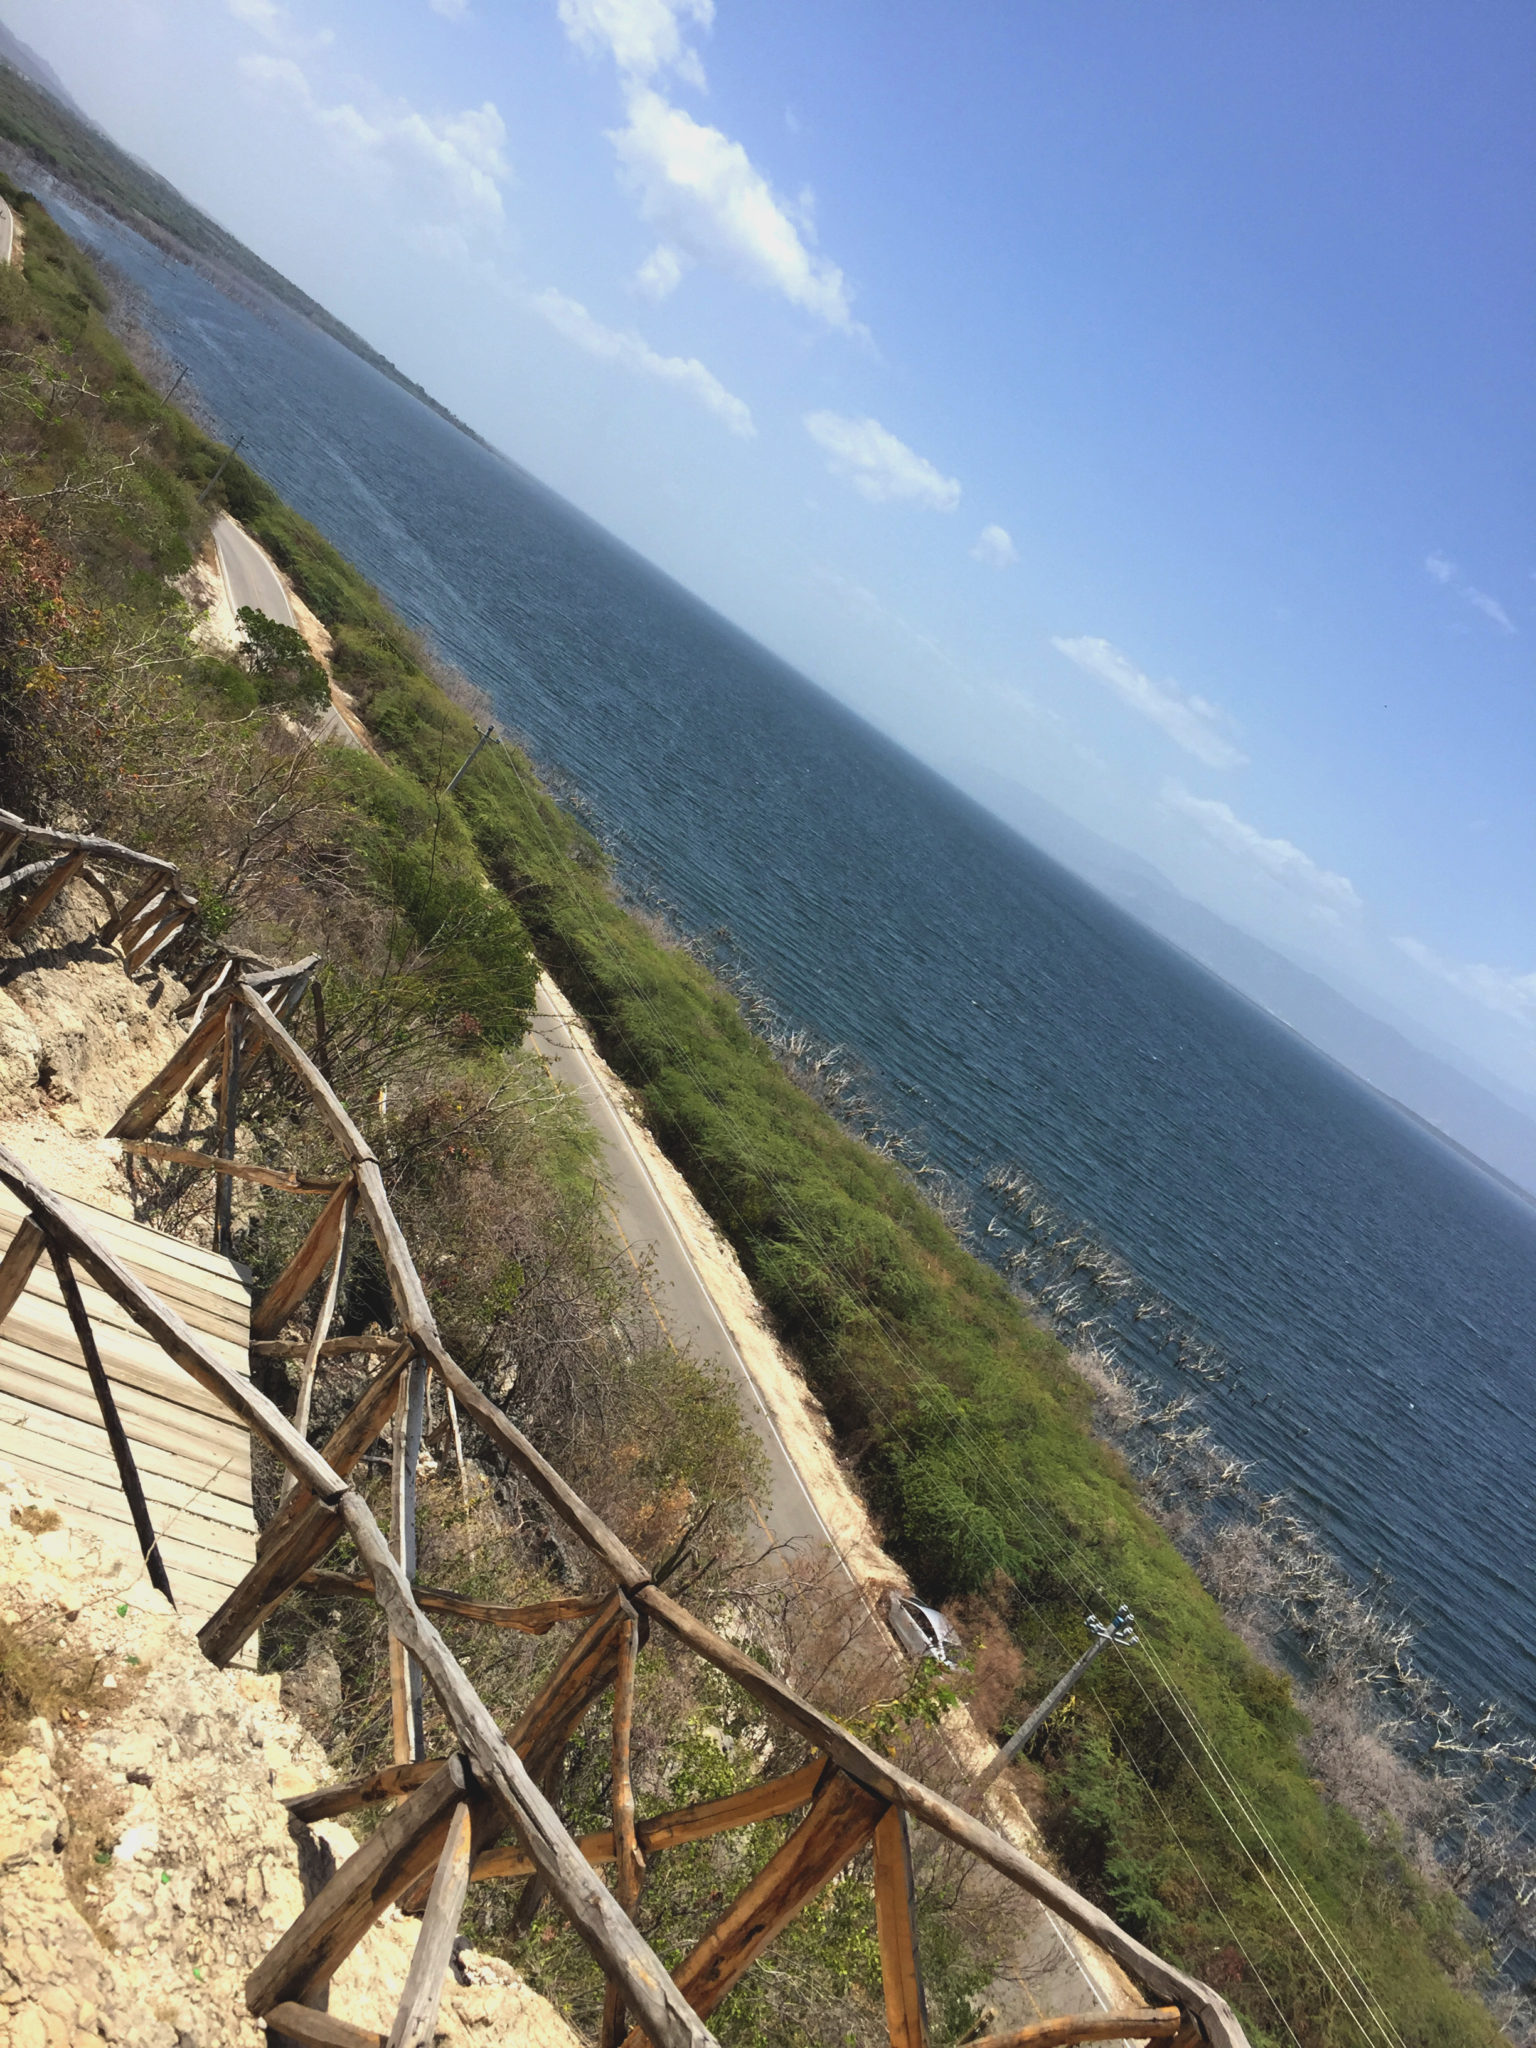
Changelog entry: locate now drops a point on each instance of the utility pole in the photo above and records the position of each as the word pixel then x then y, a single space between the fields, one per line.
pixel 484 740
pixel 1121 1632
pixel 207 487
pixel 174 388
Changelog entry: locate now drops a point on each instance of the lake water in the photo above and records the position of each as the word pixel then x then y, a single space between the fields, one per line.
pixel 1373 1295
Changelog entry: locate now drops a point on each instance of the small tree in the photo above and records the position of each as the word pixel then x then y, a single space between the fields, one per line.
pixel 278 661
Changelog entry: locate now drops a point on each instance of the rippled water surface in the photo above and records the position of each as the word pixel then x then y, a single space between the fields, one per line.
pixel 1375 1294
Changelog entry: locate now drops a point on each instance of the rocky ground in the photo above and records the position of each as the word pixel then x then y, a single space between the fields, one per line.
pixel 146 1862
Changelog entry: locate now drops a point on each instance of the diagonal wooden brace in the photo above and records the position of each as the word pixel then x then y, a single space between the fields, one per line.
pixel 406 1844
pixel 305 1267
pixel 843 1816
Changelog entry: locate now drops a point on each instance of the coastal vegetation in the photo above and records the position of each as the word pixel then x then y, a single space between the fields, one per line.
pixel 1175 1788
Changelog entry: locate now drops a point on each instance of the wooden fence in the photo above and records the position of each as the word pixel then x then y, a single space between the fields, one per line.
pixel 485 1811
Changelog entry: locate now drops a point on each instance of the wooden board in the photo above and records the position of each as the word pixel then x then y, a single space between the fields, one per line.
pixel 193 1456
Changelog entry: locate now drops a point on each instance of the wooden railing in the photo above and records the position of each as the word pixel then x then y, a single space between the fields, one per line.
pixel 447 1829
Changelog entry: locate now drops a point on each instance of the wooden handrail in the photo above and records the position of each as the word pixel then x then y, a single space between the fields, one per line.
pixel 324 1505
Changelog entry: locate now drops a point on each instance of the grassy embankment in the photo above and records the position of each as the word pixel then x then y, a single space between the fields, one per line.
pixel 965 1421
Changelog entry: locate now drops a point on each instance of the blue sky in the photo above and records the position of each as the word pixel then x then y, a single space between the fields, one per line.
pixel 1131 402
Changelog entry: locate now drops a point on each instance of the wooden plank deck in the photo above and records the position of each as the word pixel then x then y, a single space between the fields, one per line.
pixel 194 1458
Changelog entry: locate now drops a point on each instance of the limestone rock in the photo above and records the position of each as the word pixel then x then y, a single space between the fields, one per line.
pixel 177 1773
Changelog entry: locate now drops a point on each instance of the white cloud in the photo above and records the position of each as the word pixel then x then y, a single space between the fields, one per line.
pixel 1496 988
pixel 453 163
pixel 642 36
pixel 994 546
pixel 711 204
pixel 273 24
pixel 571 319
pixel 450 10
pixel 1445 572
pixel 1325 894
pixel 1190 721
pixel 870 457
pixel 662 272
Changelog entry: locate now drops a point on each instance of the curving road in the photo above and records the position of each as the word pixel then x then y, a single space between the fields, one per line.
pixel 683 1307
pixel 248 576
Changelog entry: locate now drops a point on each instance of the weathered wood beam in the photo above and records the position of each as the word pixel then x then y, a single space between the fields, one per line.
pixel 311 2029
pixel 21 1255
pixel 333 1347
pixel 404 1676
pixel 112 1422
pixel 302 1530
pixel 34 870
pixel 1146 2023
pixel 321 1331
pixel 147 943
pixel 229 1130
pixel 629 1874
pixel 391 1782
pixel 769 1801
pixel 157 1095
pixel 263 1176
pixel 416 1316
pixel 901 1976
pixel 586 1670
pixel 305 1267
pixel 277 1570
pixel 360 1428
pixel 582 1896
pixel 842 1818
pixel 536 1620
pixel 31 910
pixel 1221 2026
pixel 107 848
pixel 406 1843
pixel 416 2017
pixel 134 907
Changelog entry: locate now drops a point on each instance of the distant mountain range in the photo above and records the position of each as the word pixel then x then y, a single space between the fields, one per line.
pixel 1477 1112
pixel 43 124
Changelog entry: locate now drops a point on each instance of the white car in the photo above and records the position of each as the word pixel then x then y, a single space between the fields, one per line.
pixel 922 1631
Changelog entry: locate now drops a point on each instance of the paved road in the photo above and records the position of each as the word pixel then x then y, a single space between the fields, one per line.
pixel 682 1305
pixel 7 234
pixel 248 576
pixel 1045 1975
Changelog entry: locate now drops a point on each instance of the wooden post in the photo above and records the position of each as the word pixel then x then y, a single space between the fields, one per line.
pixel 906 2011
pixel 117 1436
pixel 305 1267
pixel 417 2014
pixel 581 1895
pixel 22 1254
pixel 629 1872
pixel 29 912
pixel 404 1677
pixel 406 1843
pixel 842 1818
pixel 229 1111
pixel 321 1331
